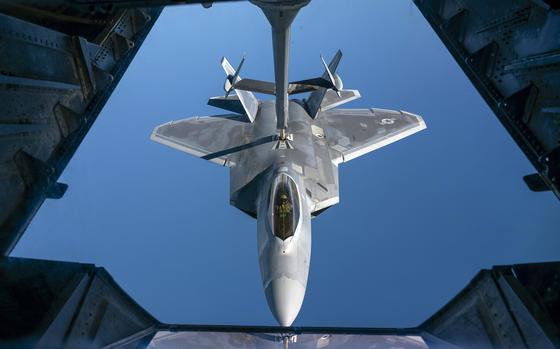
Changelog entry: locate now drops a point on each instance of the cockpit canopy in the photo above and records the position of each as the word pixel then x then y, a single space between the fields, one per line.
pixel 285 207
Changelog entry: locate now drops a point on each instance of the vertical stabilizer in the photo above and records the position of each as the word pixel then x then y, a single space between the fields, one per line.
pixel 313 103
pixel 248 100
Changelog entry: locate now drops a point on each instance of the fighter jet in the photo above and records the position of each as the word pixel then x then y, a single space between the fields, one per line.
pixel 283 154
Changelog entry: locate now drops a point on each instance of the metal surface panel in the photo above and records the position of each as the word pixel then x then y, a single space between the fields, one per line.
pixel 511 53
pixel 59 64
pixel 500 309
pixel 51 304
pixel 537 287
pixel 193 339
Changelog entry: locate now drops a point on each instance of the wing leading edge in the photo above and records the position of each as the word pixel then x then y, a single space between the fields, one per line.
pixel 355 132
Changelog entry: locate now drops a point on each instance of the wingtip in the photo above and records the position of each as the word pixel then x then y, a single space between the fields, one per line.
pixel 421 123
pixel 153 135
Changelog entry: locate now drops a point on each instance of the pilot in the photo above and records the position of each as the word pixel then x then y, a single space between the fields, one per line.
pixel 285 207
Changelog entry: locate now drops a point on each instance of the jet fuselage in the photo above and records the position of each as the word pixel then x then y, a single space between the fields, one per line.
pixel 282 176
pixel 283 155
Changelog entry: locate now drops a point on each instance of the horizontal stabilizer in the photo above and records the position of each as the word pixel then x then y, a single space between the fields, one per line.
pixel 333 100
pixel 230 103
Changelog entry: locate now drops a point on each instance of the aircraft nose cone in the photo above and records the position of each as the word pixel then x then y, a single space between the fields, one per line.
pixel 285 297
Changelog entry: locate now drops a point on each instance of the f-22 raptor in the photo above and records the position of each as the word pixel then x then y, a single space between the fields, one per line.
pixel 284 154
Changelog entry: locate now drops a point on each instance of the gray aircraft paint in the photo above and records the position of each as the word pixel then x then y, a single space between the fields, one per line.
pixel 319 138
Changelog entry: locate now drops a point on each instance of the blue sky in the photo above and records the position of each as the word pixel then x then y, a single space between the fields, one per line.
pixel 416 221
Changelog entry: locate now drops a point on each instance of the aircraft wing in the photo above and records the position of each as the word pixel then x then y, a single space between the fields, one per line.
pixel 354 132
pixel 207 137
